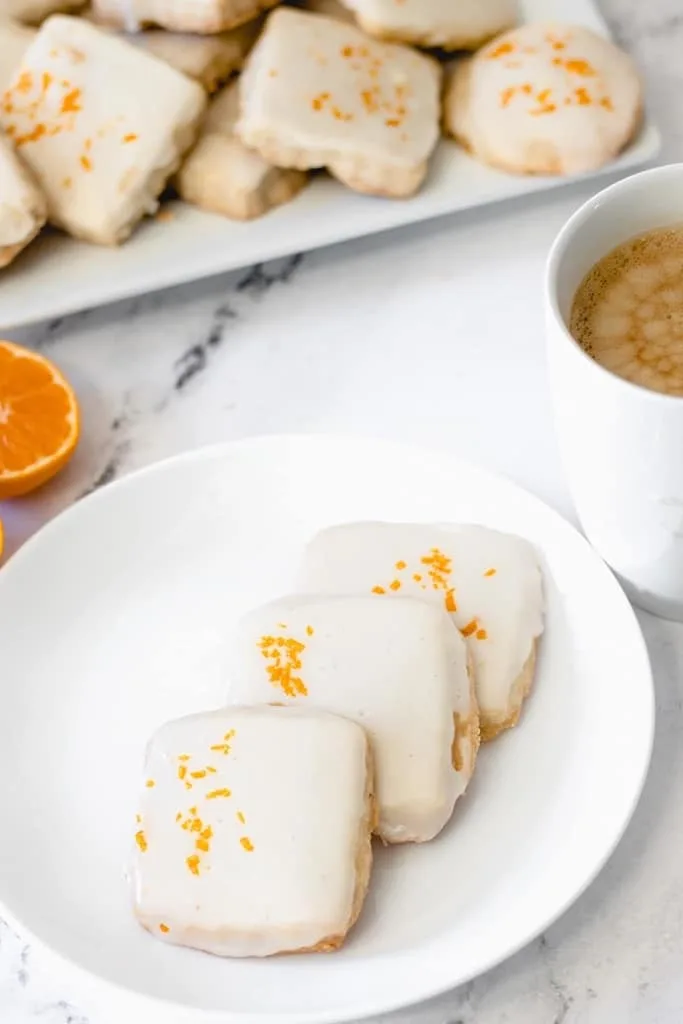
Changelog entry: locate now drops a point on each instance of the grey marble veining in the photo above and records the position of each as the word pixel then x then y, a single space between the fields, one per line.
pixel 405 336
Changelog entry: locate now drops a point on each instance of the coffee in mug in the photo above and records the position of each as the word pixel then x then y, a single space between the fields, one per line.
pixel 628 311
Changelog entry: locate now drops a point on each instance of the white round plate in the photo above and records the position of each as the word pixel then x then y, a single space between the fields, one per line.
pixel 114 619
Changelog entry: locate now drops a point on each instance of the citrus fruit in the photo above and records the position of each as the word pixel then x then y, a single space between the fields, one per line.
pixel 39 421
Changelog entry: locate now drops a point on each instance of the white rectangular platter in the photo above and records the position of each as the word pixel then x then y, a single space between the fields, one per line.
pixel 58 275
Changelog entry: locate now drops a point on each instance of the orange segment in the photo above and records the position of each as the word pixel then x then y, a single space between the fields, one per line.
pixel 39 422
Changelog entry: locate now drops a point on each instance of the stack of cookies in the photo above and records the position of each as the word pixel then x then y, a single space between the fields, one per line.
pixel 105 105
pixel 356 707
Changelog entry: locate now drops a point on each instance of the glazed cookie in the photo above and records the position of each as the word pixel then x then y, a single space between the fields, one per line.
pixel 545 99
pixel 448 24
pixel 489 582
pixel 223 176
pixel 22 205
pixel 320 93
pixel 202 16
pixel 398 668
pixel 101 125
pixel 253 834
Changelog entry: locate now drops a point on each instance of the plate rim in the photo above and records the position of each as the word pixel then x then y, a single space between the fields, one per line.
pixel 185 1012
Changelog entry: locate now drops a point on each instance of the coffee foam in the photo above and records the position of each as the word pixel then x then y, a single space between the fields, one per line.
pixel 628 311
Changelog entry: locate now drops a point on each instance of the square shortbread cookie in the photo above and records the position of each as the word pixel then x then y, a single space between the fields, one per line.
pixel 450 24
pixel 101 125
pixel 202 16
pixel 253 836
pixel 210 60
pixel 22 205
pixel 223 176
pixel 317 92
pixel 398 668
pixel 489 582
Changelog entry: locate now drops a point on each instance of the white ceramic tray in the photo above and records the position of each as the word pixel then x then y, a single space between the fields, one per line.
pixel 58 275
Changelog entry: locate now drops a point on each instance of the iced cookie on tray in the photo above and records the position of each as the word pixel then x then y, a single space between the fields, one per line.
pixel 317 92
pixel 489 583
pixel 202 16
pixel 253 836
pixel 398 668
pixel 22 205
pixel 223 176
pixel 448 24
pixel 101 125
pixel 545 99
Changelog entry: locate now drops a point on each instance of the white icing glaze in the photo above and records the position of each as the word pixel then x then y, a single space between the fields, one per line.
pixel 507 604
pixel 320 91
pixel 101 125
pixel 284 878
pixel 465 23
pixel 22 206
pixel 202 16
pixel 14 41
pixel 545 99
pixel 398 668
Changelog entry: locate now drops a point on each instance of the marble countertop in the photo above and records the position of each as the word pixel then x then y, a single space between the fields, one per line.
pixel 434 335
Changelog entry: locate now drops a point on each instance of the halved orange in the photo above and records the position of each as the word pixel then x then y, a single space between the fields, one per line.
pixel 39 420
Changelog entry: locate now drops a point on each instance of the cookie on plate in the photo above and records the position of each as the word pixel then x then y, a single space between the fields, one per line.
pixel 253 835
pixel 32 12
pixel 223 176
pixel 489 582
pixel 316 92
pixel 545 99
pixel 210 60
pixel 202 16
pixel 448 24
pixel 332 8
pixel 23 208
pixel 398 668
pixel 101 125
pixel 15 39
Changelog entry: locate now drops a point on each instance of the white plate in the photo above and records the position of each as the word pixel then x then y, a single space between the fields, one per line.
pixel 114 619
pixel 58 275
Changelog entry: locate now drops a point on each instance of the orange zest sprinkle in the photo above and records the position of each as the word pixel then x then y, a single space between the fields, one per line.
pixel 607 103
pixel 46 80
pixel 470 628
pixel 309 630
pixel 490 572
pixel 150 783
pixel 580 67
pixel 182 771
pixel 347 51
pixel 183 757
pixel 86 164
pixel 451 606
pixel 395 585
pixel 130 137
pixel 179 816
pixel 138 818
pixel 24 82
pixel 417 577
pixel 229 735
pixel 164 928
pixel 400 566
pixel 378 590
pixel 141 840
pixel 216 793
pixel 199 774
pixel 71 102
pixel 193 810
pixel 221 748
pixel 240 817
pixel 481 634
pixel 210 768
pixel 246 844
pixel 501 50
pixel 284 653
pixel 193 863
pixel 507 95
pixel 582 97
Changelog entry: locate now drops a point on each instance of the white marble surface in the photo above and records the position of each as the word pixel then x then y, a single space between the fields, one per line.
pixel 432 335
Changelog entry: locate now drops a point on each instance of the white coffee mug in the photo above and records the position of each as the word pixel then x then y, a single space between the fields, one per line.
pixel 622 446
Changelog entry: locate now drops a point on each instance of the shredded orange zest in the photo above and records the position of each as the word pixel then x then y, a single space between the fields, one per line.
pixel 216 793
pixel 481 634
pixel 470 628
pixel 193 863
pixel 141 840
pixel 240 817
pixel 395 585
pixel 378 590
pixel 164 928
pixel 309 631
pixel 246 844
pixel 284 653
pixel 490 572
